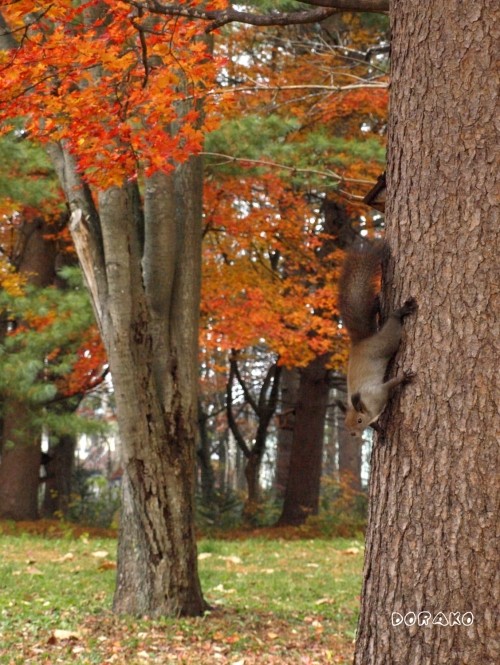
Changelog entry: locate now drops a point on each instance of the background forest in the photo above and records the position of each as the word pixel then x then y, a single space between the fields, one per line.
pixel 298 120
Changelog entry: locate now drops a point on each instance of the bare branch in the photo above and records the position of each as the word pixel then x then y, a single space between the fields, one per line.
pixel 303 86
pixel 246 392
pixel 231 420
pixel 352 5
pixel 293 169
pixel 218 18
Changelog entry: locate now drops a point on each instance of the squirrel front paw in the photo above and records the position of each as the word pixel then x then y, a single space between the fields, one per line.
pixel 408 376
pixel 409 306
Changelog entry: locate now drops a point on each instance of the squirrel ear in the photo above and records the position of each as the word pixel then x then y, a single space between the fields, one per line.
pixel 357 403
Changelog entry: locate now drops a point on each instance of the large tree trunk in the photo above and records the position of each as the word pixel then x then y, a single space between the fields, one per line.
pixel 20 466
pixel 433 526
pixel 155 369
pixel 142 266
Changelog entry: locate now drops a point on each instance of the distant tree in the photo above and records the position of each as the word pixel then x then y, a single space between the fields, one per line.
pixel 263 405
pixel 21 435
pixel 47 363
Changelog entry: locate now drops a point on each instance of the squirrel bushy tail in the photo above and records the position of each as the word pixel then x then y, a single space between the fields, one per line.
pixel 358 289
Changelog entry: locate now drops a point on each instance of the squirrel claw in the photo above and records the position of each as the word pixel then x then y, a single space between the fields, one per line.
pixel 409 375
pixel 409 306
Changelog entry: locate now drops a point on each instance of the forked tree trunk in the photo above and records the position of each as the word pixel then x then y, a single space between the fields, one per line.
pixel 142 266
pixel 432 542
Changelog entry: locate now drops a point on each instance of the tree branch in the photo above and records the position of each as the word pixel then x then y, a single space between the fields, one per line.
pixel 262 162
pixel 303 86
pixel 231 421
pixel 248 395
pixel 218 18
pixel 351 5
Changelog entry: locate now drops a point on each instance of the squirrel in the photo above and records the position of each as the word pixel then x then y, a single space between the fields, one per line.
pixel 371 348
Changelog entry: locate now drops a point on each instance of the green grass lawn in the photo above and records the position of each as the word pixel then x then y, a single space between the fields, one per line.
pixel 274 601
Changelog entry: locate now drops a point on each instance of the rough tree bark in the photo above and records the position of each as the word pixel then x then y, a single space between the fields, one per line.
pixel 142 265
pixel 432 537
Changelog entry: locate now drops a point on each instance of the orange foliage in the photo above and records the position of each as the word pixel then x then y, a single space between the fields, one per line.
pixel 87 370
pixel 108 82
pixel 267 276
pixel 263 280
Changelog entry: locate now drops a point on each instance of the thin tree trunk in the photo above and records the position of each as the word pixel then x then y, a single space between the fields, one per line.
pixel 286 423
pixel 264 408
pixel 207 475
pixel 350 458
pixel 57 490
pixel 432 542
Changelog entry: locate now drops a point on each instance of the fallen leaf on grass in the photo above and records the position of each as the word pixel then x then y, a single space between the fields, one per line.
pixel 351 550
pixel 204 555
pixel 32 570
pixel 100 554
pixel 59 635
pixel 107 565
pixel 222 589
pixel 231 559
pixel 67 557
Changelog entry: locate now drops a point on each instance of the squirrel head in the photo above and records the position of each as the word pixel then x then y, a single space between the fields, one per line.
pixel 358 416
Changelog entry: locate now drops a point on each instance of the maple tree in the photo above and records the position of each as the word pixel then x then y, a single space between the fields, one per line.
pixel 114 95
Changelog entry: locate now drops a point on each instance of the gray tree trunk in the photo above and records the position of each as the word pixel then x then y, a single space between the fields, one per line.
pixel 432 542
pixel 286 421
pixel 142 266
